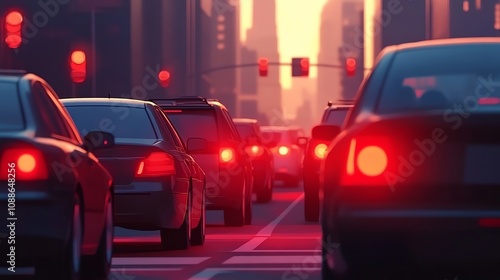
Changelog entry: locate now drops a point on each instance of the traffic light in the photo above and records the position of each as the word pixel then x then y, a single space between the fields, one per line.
pixel 300 67
pixel 350 66
pixel 263 67
pixel 164 78
pixel 78 64
pixel 13 27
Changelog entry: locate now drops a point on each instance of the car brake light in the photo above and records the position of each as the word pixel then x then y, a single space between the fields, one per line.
pixel 320 151
pixel 255 150
pixel 366 163
pixel 226 155
pixel 172 111
pixel 29 164
pixel 155 165
pixel 489 101
pixel 283 150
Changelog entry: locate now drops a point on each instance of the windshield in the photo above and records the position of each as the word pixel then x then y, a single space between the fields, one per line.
pixel 194 124
pixel 246 130
pixel 134 124
pixel 11 115
pixel 442 78
pixel 336 117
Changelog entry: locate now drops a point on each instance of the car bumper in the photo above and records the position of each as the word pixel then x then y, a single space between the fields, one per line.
pixel 427 238
pixel 149 205
pixel 42 226
pixel 288 166
pixel 262 174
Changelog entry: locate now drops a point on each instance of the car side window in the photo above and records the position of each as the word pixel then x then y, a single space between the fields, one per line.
pixel 64 115
pixel 48 112
pixel 167 127
pixel 232 128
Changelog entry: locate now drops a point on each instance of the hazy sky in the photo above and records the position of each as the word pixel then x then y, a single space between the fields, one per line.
pixel 298 31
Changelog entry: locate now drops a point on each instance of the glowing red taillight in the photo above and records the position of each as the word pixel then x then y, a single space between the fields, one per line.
pixel 255 150
pixel 226 154
pixel 366 163
pixel 283 150
pixel 27 165
pixel 155 165
pixel 320 151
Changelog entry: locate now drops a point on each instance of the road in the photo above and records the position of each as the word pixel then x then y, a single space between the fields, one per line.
pixel 278 245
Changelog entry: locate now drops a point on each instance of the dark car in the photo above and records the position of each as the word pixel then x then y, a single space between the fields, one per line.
pixel 228 171
pixel 334 114
pixel 262 158
pixel 158 186
pixel 411 183
pixel 57 198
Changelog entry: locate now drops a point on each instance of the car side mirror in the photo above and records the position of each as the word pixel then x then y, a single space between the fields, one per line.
pixel 98 140
pixel 325 132
pixel 196 144
pixel 302 141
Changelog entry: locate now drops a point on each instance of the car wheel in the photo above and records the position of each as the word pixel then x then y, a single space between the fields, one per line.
pixel 70 269
pixel 236 217
pixel 248 209
pixel 266 195
pixel 97 266
pixel 311 206
pixel 198 234
pixel 178 239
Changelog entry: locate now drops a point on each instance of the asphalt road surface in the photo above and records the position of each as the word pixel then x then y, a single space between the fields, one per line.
pixel 278 245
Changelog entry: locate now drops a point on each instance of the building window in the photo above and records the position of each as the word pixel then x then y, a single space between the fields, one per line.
pixel 221 18
pixel 221 46
pixel 221 27
pixel 220 36
pixel 497 17
pixel 465 5
pixel 478 4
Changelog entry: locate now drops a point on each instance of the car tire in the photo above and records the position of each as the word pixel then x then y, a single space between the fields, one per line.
pixel 236 217
pixel 311 206
pixel 178 239
pixel 266 195
pixel 71 266
pixel 248 209
pixel 199 232
pixel 98 266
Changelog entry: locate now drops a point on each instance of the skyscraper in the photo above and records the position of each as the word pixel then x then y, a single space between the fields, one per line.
pixel 263 38
pixel 329 79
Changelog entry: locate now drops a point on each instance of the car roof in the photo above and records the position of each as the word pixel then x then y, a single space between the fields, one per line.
pixel 244 121
pixel 442 43
pixel 105 101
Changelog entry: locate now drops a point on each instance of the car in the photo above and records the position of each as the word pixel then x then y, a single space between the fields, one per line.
pixel 334 114
pixel 288 152
pixel 262 158
pixel 411 181
pixel 228 168
pixel 158 185
pixel 57 197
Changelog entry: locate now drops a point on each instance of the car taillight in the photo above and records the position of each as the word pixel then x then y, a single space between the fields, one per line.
pixel 226 154
pixel 29 165
pixel 155 165
pixel 255 150
pixel 320 151
pixel 367 161
pixel 283 150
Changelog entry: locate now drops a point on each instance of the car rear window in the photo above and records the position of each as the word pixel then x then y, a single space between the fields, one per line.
pixel 246 130
pixel 11 114
pixel 271 137
pixel 194 124
pixel 336 117
pixel 121 121
pixel 442 78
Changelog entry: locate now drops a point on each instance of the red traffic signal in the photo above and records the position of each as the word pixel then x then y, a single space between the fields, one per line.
pixel 263 67
pixel 164 78
pixel 78 65
pixel 350 66
pixel 13 26
pixel 300 67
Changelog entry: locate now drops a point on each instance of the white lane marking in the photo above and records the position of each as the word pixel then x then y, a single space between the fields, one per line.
pixel 265 232
pixel 159 261
pixel 280 251
pixel 273 259
pixel 208 273
pixel 127 269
